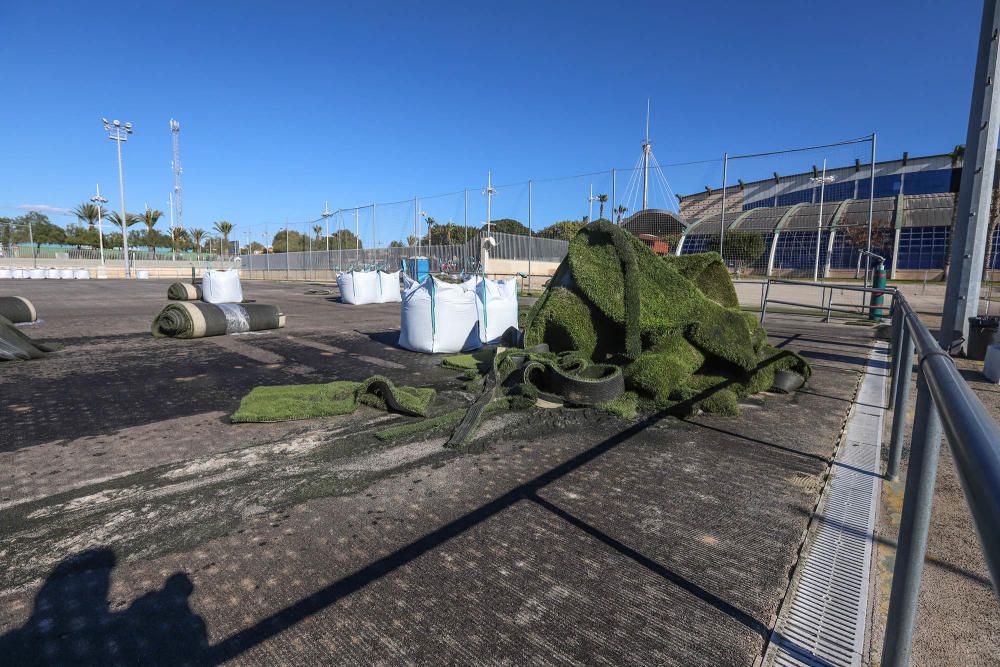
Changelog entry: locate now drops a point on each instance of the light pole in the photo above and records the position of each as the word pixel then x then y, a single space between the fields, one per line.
pixel 822 180
pixel 119 133
pixel 590 200
pixel 489 192
pixel 326 219
pixel 99 200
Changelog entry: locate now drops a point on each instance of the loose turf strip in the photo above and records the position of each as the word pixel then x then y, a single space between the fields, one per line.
pixel 307 401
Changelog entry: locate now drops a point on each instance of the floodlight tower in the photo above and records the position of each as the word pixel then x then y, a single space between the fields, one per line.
pixel 326 219
pixel 175 131
pixel 647 148
pixel 590 200
pixel 118 133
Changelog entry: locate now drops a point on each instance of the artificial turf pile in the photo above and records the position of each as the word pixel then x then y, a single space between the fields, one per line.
pixel 306 401
pixel 672 324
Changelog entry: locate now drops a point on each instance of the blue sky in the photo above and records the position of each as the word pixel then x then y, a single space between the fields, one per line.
pixel 284 105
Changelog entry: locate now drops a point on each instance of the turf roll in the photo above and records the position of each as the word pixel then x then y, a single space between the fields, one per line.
pixel 17 309
pixel 184 292
pixel 16 346
pixel 194 319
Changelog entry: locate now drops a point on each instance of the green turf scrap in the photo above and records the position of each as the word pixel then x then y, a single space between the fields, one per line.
pixel 698 350
pixel 307 401
pixel 625 406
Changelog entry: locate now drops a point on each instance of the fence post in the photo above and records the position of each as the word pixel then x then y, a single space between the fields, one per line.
pixel 911 549
pixel 900 397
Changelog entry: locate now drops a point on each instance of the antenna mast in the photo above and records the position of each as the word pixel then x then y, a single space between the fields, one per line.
pixel 175 130
pixel 646 148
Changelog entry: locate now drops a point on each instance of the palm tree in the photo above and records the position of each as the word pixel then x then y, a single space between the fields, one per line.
pixel 224 227
pixel 197 235
pixel 115 218
pixel 620 211
pixel 958 153
pixel 88 213
pixel 603 199
pixel 318 231
pixel 149 218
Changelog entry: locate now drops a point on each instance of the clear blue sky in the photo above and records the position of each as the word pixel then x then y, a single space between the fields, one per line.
pixel 286 104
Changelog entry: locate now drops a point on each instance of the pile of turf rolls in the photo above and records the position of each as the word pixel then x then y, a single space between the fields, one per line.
pixel 306 401
pixel 17 309
pixel 16 346
pixel 196 319
pixel 672 324
pixel 184 292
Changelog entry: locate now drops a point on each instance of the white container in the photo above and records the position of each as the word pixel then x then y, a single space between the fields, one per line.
pixel 363 287
pixel 36 274
pixel 19 273
pixel 498 307
pixel 6 274
pixel 81 274
pixel 66 274
pixel 221 286
pixel 142 274
pixel 439 317
pixel 52 274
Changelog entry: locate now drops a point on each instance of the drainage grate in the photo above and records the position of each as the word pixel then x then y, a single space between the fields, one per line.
pixel 822 621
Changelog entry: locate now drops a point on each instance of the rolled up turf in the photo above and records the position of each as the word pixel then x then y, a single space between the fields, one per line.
pixel 194 319
pixel 15 345
pixel 184 292
pixel 17 309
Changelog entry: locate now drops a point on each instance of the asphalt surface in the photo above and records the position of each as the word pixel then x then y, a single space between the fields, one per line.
pixel 139 526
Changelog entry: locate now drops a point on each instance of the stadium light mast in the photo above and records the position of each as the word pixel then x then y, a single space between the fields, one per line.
pixel 118 132
pixel 326 218
pixel 822 180
pixel 99 200
pixel 647 148
pixel 590 200
pixel 489 192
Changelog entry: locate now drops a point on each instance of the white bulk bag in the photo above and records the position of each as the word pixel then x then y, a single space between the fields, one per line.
pixel 388 287
pixel 358 287
pixel 142 274
pixel 66 274
pixel 439 317
pixel 221 286
pixel 36 274
pixel 52 274
pixel 19 273
pixel 82 274
pixel 5 274
pixel 498 307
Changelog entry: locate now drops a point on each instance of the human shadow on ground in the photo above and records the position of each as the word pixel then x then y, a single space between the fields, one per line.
pixel 72 622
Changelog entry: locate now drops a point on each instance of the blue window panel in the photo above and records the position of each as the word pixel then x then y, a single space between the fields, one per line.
pixel 885 186
pixel 922 247
pixel 760 203
pixel 695 243
pixel 797 250
pixel 927 182
pixel 797 197
pixel 838 191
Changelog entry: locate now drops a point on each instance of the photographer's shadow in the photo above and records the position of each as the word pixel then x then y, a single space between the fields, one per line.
pixel 72 624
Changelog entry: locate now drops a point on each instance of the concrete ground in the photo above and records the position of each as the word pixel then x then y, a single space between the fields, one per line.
pixel 139 525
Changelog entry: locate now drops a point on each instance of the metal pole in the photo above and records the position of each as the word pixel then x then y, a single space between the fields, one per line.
pixel 914 522
pixel 466 216
pixel 288 251
pixel 100 220
pixel 819 222
pixel 722 223
pixel 357 238
pixel 975 193
pixel 121 185
pixel 901 397
pixel 529 232
pixel 614 193
pixel 31 242
pixel 489 203
pixel 416 217
pixel 590 200
pixel 871 212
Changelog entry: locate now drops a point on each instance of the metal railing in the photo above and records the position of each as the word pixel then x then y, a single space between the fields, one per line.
pixel 945 404
pixel 826 305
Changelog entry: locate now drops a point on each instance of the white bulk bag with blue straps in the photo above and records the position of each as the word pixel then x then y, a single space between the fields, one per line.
pixel 388 287
pixel 363 287
pixel 498 307
pixel 438 316
pixel 219 286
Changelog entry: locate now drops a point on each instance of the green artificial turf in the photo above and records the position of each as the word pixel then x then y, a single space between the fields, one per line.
pixel 673 324
pixel 307 401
